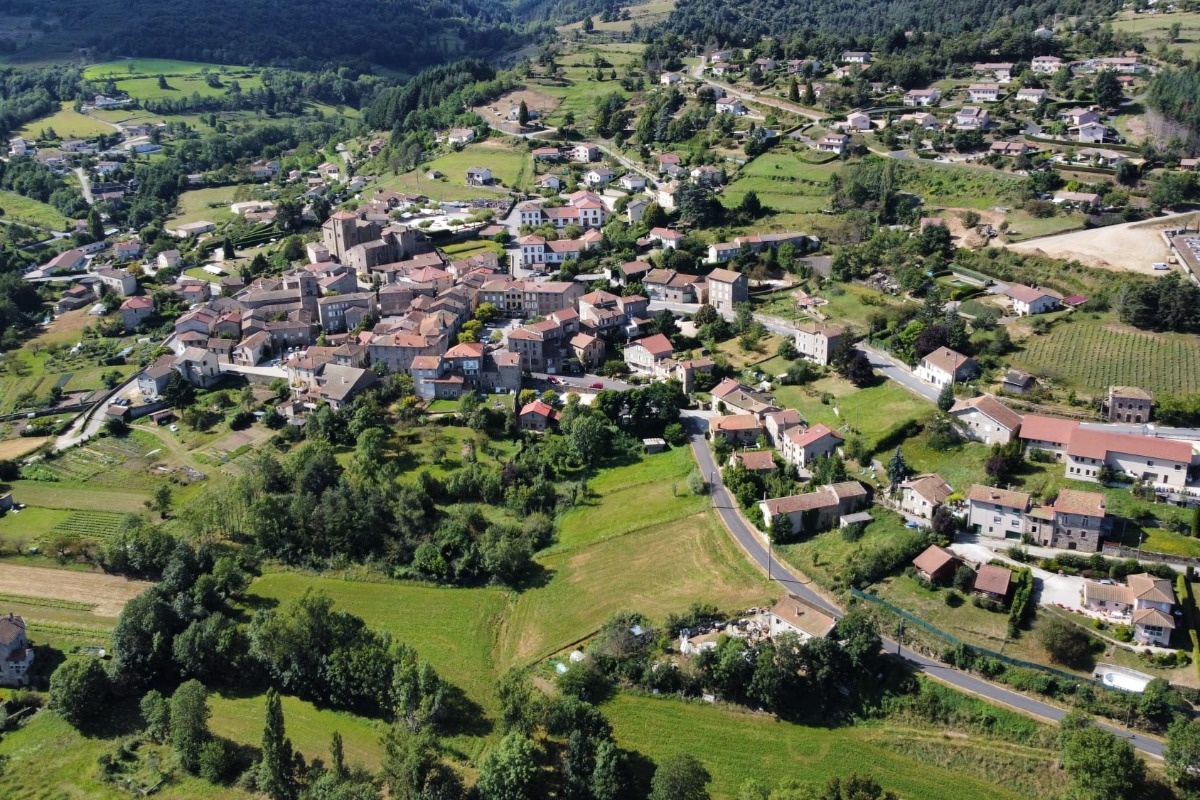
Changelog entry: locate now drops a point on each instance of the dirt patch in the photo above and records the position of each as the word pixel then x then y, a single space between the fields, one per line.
pixel 962 235
pixel 1130 247
pixel 496 112
pixel 15 448
pixel 107 593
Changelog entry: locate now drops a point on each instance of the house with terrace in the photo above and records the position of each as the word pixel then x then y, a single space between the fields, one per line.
pixel 1145 602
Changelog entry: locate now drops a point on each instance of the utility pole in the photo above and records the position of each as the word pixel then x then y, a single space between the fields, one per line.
pixel 900 638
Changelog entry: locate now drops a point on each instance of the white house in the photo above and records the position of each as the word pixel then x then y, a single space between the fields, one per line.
pixel 646 355
pixel 921 496
pixel 972 118
pixel 632 182
pixel 1046 65
pixel 803 447
pixel 985 419
pixel 944 366
pixel 599 176
pixel 1031 95
pixel 479 176
pixel 670 79
pixel 1090 132
pixel 793 615
pixel 833 143
pixel 1032 300
pixel 1147 602
pixel 983 92
pixel 1155 461
pixel 16 656
pixel 731 105
pixel 858 122
pixel 922 98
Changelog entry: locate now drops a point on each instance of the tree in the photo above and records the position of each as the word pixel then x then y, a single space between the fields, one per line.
pixel 751 206
pixel 189 723
pixel 523 114
pixel 945 398
pixel 178 393
pixel 95 226
pixel 608 776
pixel 79 690
pixel 510 772
pixel 1066 642
pixel 858 370
pixel 518 703
pixel 664 323
pixel 680 777
pixel 162 500
pixel 227 251
pixel 275 770
pixel 897 468
pixel 157 715
pixel 705 315
pixel 588 24
pixel 793 91
pixel 944 525
pixel 1101 766
pixel 1182 756
pixel 1107 89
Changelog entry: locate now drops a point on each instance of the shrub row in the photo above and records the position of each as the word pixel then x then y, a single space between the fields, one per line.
pixel 1020 609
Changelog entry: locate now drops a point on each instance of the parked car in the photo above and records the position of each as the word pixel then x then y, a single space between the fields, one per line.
pixel 597 385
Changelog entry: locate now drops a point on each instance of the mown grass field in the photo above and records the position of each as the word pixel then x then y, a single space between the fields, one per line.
pixel 784 182
pixel 629 498
pixel 18 208
pixel 736 745
pixel 1092 353
pixel 656 570
pixel 241 717
pixel 81 496
pixel 130 67
pixel 68 124
pixel 871 411
pixel 511 167
pixel 1155 27
pixel 194 205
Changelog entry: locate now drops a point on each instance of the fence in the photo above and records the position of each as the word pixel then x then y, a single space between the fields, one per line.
pixel 1015 662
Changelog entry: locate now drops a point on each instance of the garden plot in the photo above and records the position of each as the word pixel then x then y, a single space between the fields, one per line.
pixel 107 594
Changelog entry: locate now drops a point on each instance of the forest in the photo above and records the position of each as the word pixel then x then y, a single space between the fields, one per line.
pixel 964 29
pixel 399 35
pixel 1173 93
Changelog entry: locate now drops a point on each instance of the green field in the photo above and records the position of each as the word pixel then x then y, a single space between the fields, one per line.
pixel 579 89
pixel 1091 354
pixel 511 167
pixel 241 717
pixel 81 496
pixel 957 186
pixel 50 760
pixel 194 205
pixel 627 499
pixel 824 556
pixel 871 411
pixel 129 67
pixel 18 208
pixel 455 629
pixel 1155 29
pixel 657 570
pixel 736 745
pixel 183 87
pixel 68 124
pixel 784 182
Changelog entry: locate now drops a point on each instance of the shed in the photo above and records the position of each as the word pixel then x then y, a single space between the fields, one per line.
pixel 936 563
pixel 993 582
pixel 654 445
pixel 857 518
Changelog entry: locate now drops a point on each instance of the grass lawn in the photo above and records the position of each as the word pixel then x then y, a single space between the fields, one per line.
pixel 194 205
pixel 823 556
pixel 146 66
pixel 961 467
pixel 784 182
pixel 460 250
pixel 64 763
pixel 957 186
pixel 628 498
pixel 454 629
pixel 512 168
pixel 183 87
pixel 1022 225
pixel 68 124
pixel 241 718
pixel 871 411
pixel 1092 352
pixel 739 358
pixel 657 570
pixel 736 745
pixel 18 208
pixel 30 523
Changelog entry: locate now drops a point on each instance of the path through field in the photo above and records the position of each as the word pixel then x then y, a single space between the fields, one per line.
pixel 108 593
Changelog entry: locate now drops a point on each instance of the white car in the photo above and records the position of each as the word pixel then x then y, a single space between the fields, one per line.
pixel 174 429
pixel 1158 265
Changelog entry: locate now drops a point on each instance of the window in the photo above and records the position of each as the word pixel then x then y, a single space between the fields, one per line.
pixel 996 520
pixel 1153 630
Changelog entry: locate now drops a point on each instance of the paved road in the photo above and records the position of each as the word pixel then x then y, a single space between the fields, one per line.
pixel 85 186
pixel 754 548
pixel 895 370
pixel 766 100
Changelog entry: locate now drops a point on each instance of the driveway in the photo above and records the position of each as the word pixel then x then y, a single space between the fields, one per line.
pixel 894 370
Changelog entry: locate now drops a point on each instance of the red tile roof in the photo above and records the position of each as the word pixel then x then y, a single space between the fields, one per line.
pixel 1048 429
pixel 1088 443
pixel 986 404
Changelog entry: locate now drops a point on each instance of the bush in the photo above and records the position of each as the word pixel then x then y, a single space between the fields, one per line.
pixel 217 761
pixel 852 533
pixel 675 435
pixel 953 599
pixel 1066 643
pixel 1020 609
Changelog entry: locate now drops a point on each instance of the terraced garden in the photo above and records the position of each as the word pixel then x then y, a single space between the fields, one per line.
pixel 1091 353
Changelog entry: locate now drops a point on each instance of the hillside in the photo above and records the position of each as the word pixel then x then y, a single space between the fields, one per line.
pixel 403 36
pixel 746 21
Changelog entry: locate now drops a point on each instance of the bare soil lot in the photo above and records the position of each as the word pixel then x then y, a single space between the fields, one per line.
pixel 15 448
pixel 107 593
pixel 1132 247
pixel 496 112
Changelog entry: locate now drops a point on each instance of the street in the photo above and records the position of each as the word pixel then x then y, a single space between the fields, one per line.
pixel 753 546
pixel 893 370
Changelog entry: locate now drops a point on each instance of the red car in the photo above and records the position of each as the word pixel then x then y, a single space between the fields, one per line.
pixel 597 385
pixel 553 379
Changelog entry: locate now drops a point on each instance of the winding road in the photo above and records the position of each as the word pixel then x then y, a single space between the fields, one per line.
pixel 753 546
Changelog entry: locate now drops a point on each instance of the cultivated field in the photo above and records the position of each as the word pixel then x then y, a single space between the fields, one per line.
pixel 1092 353
pixel 106 593
pixel 1134 247
pixel 785 182
pixel 77 496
